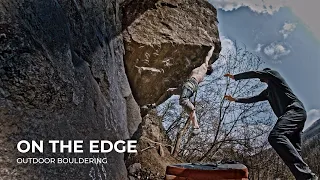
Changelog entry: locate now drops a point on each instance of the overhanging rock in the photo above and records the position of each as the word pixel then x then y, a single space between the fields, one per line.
pixel 164 40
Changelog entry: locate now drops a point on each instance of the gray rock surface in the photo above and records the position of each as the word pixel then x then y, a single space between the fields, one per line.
pixel 62 74
pixel 62 77
pixel 133 168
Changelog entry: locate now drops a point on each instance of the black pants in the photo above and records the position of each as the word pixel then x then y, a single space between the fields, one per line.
pixel 285 138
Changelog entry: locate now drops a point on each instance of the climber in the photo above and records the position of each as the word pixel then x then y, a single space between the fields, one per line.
pixel 187 91
pixel 285 137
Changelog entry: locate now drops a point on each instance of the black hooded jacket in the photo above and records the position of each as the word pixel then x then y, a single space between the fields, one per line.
pixel 278 93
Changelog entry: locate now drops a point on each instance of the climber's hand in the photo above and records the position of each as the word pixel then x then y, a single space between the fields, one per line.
pixel 209 55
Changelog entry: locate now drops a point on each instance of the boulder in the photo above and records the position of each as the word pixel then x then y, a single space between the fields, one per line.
pixel 62 77
pixel 154 149
pixel 164 40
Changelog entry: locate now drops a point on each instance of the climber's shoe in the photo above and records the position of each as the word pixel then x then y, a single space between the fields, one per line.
pixel 196 130
pixel 314 177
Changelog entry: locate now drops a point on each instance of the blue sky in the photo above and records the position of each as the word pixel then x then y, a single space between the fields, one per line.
pixel 284 35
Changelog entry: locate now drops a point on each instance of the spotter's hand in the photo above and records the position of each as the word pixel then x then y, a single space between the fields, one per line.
pixel 229 98
pixel 229 75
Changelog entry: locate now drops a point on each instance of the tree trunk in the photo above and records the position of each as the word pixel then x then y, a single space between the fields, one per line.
pixel 179 138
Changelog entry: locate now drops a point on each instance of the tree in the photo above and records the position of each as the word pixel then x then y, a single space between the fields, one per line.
pixel 229 130
pixel 311 153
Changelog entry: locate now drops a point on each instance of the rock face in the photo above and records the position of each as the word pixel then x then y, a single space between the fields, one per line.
pixel 62 77
pixel 154 149
pixel 164 40
pixel 62 74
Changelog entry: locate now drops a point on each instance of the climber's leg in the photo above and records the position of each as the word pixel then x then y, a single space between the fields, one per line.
pixel 187 92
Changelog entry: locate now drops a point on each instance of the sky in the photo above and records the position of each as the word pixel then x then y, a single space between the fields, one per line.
pixel 285 34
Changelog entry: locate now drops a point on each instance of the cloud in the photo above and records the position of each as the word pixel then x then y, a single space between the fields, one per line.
pixel 259 6
pixel 276 50
pixel 287 29
pixel 258 48
pixel 312 116
pixel 227 47
pixel 307 11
